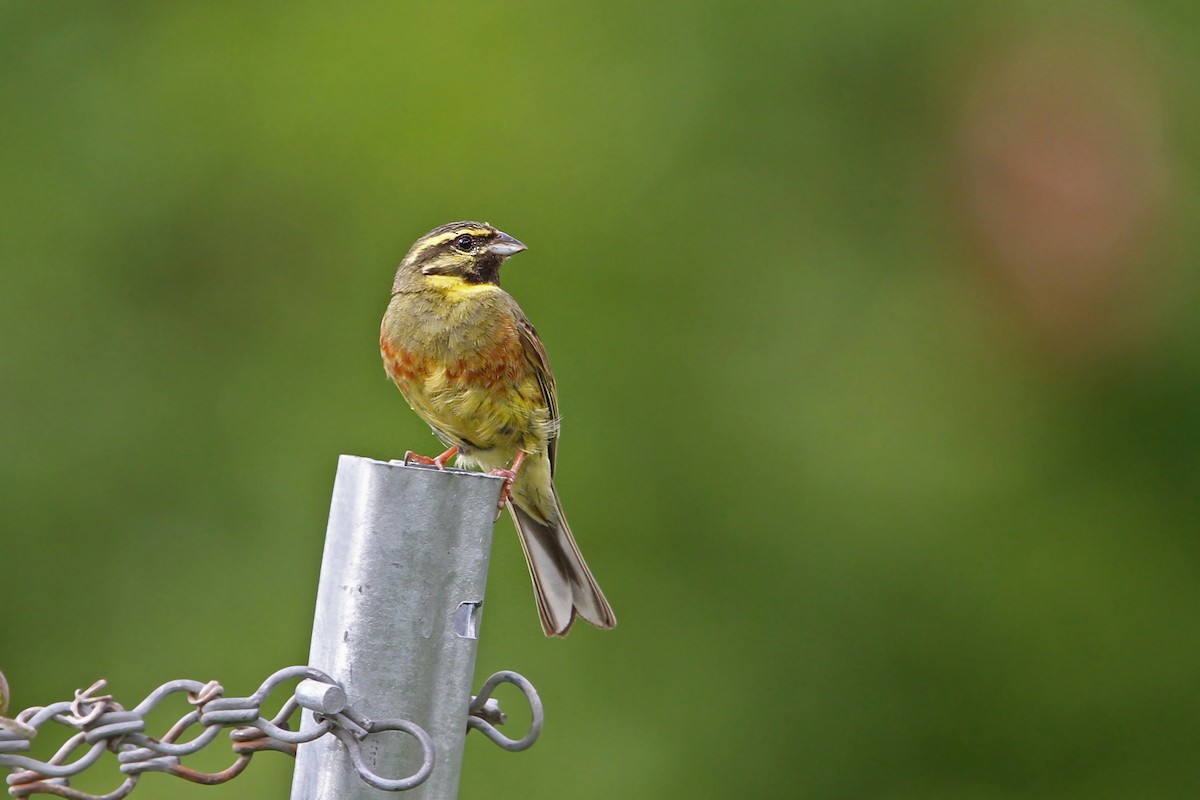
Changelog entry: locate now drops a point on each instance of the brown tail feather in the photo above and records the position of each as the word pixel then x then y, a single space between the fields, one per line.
pixel 562 581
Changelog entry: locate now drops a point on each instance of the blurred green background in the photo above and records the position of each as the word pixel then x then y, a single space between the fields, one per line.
pixel 875 333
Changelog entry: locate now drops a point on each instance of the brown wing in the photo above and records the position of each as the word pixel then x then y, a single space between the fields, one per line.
pixel 535 354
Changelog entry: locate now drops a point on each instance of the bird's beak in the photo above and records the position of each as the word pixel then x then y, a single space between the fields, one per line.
pixel 504 245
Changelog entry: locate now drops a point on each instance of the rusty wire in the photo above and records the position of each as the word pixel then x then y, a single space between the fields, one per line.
pixel 100 723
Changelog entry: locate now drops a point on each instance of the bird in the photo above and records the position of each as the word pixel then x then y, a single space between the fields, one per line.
pixel 469 363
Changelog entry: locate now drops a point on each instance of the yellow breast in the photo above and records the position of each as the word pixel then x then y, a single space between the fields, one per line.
pixel 459 361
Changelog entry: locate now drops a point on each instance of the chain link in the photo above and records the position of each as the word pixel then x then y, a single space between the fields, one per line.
pixel 100 723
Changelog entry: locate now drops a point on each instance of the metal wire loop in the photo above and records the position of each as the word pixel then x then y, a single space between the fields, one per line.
pixel 476 710
pixel 353 744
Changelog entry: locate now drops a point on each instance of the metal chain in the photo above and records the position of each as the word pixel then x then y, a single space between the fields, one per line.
pixel 103 724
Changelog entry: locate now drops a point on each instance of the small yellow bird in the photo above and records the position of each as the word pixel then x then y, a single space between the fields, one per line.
pixel 467 360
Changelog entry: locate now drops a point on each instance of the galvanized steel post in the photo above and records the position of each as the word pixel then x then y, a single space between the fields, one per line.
pixel 398 609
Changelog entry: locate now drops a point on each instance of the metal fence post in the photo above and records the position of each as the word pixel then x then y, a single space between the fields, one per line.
pixel 398 609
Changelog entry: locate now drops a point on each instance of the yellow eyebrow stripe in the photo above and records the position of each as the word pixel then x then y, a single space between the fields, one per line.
pixel 442 238
pixel 430 243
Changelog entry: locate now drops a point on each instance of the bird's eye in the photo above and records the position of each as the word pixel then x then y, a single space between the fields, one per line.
pixel 464 243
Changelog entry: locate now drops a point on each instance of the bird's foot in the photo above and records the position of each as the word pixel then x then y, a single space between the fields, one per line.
pixel 509 476
pixel 505 490
pixel 440 461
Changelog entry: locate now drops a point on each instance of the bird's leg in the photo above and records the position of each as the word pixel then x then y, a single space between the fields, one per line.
pixel 439 462
pixel 509 476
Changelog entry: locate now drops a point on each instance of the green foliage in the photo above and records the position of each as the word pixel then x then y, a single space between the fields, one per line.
pixel 870 533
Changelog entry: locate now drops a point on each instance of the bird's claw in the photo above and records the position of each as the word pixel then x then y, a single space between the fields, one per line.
pixel 413 458
pixel 440 462
pixel 505 490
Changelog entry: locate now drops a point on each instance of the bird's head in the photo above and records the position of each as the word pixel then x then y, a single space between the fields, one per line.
pixel 469 251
